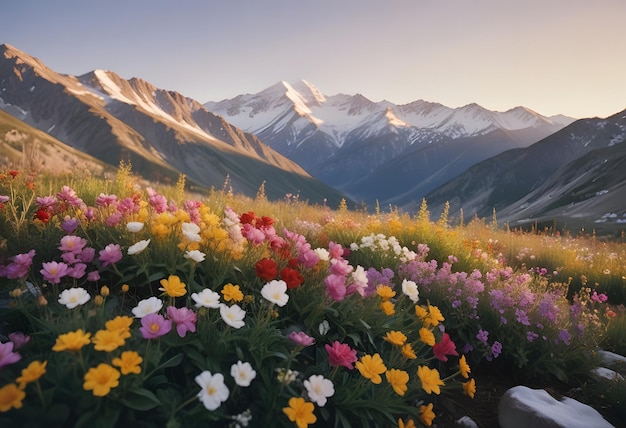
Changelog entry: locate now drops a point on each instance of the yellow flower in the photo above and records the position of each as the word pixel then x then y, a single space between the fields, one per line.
pixel 120 324
pixel 408 352
pixel 430 379
pixel 101 379
pixel 104 291
pixel 72 341
pixel 371 367
pixel 300 412
pixel 388 307
pixel 128 362
pixel 464 367
pixel 398 380
pixel 421 312
pixel 11 396
pixel 159 230
pixel 107 340
pixel 427 415
pixel 125 288
pixel 173 287
pixel 395 338
pixel 469 388
pixel 409 423
pixel 385 292
pixel 98 300
pixel 33 372
pixel 232 292
pixel 427 336
pixel 434 316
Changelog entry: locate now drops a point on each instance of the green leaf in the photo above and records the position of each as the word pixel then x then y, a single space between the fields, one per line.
pixel 172 362
pixel 140 399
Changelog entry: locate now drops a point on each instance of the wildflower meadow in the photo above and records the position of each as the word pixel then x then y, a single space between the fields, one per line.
pixel 124 304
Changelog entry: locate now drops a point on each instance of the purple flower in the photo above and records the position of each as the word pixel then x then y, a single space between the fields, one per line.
pixel 19 339
pixel 483 336
pixel 20 265
pixel 154 326
pixel 46 202
pixel 522 317
pixel 87 255
pixel 301 338
pixel 496 349
pixel 531 336
pixel 93 276
pixel 111 254
pixel 70 225
pixel 184 318
pixel 564 336
pixel 77 271
pixel 7 356
pixel 53 271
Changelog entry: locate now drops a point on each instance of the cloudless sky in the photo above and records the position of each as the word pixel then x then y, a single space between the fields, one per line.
pixel 553 56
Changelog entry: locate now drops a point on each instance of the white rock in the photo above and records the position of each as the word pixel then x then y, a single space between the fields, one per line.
pixel 611 359
pixel 523 407
pixel 602 373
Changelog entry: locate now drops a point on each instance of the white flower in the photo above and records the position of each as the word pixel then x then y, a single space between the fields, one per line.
pixel 191 231
pixel 206 298
pixel 134 226
pixel 286 376
pixel 276 292
pixel 73 297
pixel 151 305
pixel 138 247
pixel 359 279
pixel 242 419
pixel 319 389
pixel 195 255
pixel 243 373
pixel 233 315
pixel 322 254
pixel 213 389
pixel 324 328
pixel 409 288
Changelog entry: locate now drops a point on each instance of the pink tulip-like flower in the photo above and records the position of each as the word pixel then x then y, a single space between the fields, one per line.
pixel 111 254
pixel 336 287
pixel 444 348
pixel 184 318
pixel 154 326
pixel 54 271
pixel 340 354
pixel 301 338
pixel 7 356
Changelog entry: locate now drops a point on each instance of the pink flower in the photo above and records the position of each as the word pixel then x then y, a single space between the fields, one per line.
pixel 111 254
pixel 252 234
pixel 72 244
pixel 20 266
pixel 336 287
pixel 46 202
pixel 105 200
pixel 340 267
pixel 93 276
pixel 301 338
pixel 68 195
pixel 335 250
pixel 53 271
pixel 340 354
pixel 154 326
pixel 77 271
pixel 184 318
pixel 19 339
pixel 7 356
pixel 445 347
pixel 307 257
pixel 87 255
pixel 114 219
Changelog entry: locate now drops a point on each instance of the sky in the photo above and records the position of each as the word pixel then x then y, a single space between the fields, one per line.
pixel 552 56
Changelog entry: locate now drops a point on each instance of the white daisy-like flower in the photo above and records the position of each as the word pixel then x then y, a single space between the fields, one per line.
pixel 409 288
pixel 195 255
pixel 151 305
pixel 213 390
pixel 243 373
pixel 276 292
pixel 233 315
pixel 319 389
pixel 206 298
pixel 73 297
pixel 191 231
pixel 138 247
pixel 134 226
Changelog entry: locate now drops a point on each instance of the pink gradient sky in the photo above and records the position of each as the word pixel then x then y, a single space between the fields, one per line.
pixel 553 56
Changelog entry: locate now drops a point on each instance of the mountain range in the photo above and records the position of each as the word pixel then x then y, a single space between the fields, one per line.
pixel 380 151
pixel 161 133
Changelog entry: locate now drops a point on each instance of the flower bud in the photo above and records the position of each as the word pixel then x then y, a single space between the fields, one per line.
pixel 125 288
pixel 42 301
pixel 99 300
pixel 104 291
pixel 17 292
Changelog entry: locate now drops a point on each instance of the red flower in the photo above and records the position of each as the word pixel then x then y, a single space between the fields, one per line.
pixel 293 262
pixel 340 354
pixel 13 173
pixel 292 277
pixel 265 221
pixel 247 218
pixel 42 215
pixel 266 269
pixel 445 347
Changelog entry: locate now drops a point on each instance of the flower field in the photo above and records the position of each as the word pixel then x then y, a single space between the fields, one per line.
pixel 126 305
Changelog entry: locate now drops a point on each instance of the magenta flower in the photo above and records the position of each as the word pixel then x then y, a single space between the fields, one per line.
pixel 154 326
pixel 93 276
pixel 114 219
pixel 53 271
pixel 20 265
pixel 69 225
pixel 68 195
pixel 87 255
pixel 335 250
pixel 184 318
pixel 7 356
pixel 301 338
pixel 111 254
pixel 46 202
pixel 336 287
pixel 444 348
pixel 340 354
pixel 19 339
